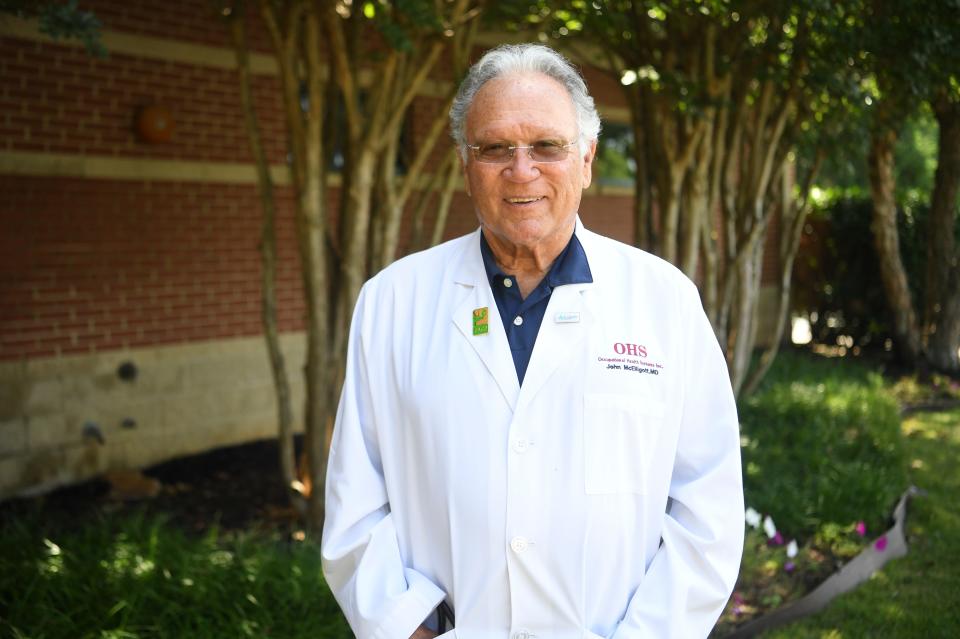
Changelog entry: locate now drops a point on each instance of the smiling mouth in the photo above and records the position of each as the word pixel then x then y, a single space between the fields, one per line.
pixel 523 200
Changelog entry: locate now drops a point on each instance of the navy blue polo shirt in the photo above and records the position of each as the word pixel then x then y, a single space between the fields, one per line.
pixel 522 317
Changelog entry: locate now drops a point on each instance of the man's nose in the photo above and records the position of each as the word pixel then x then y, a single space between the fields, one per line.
pixel 522 167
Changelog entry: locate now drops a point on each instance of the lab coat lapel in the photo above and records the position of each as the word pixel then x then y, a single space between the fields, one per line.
pixel 492 348
pixel 559 338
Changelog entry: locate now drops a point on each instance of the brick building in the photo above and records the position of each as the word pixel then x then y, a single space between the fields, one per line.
pixel 129 271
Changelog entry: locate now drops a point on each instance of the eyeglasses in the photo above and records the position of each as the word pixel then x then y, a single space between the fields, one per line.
pixel 539 151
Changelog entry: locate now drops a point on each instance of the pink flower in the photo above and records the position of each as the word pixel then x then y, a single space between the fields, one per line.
pixel 737 609
pixel 880 544
pixel 861 528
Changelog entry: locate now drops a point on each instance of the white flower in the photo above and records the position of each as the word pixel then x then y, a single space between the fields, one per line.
pixel 752 517
pixel 792 548
pixel 769 527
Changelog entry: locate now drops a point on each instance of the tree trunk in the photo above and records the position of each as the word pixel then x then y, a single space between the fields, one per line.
pixel 708 287
pixel 793 215
pixel 943 262
pixel 696 204
pixel 446 198
pixel 669 190
pixel 268 256
pixel 670 178
pixel 711 242
pixel 743 326
pixel 306 145
pixel 642 196
pixel 419 238
pixel 887 243
pixel 355 227
pixel 313 211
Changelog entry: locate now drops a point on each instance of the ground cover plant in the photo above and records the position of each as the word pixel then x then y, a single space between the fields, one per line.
pixel 139 576
pixel 918 595
pixel 915 596
pixel 822 445
pixel 824 463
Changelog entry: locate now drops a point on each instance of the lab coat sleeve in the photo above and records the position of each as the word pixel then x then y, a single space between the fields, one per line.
pixel 362 563
pixel 691 576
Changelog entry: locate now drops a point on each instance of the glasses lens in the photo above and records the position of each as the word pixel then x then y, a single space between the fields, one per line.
pixel 540 151
pixel 548 151
pixel 494 152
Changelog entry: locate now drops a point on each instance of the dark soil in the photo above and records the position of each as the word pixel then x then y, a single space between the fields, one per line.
pixel 233 488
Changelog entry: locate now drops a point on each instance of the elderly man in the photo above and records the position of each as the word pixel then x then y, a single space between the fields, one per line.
pixel 537 435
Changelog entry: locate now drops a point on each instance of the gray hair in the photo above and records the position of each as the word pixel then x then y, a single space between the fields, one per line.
pixel 514 58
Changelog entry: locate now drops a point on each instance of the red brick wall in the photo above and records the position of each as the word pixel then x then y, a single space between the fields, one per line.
pixel 58 99
pixel 88 265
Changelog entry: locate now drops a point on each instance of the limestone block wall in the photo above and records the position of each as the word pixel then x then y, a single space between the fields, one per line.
pixel 69 418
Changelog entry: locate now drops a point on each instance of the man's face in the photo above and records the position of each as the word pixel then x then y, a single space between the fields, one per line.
pixel 525 204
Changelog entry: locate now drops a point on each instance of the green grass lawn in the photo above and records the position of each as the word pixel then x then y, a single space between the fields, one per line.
pixel 918 595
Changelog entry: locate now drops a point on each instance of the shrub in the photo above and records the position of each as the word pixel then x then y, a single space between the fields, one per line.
pixel 836 283
pixel 821 445
pixel 137 576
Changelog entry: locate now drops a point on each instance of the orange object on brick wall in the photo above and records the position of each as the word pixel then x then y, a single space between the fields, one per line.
pixel 154 124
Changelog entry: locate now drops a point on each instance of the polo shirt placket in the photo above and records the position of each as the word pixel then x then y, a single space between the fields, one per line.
pixel 522 317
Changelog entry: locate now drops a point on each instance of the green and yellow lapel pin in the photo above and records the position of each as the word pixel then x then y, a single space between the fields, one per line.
pixel 480 320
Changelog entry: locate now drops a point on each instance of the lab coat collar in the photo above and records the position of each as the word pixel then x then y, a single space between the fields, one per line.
pixel 492 348
pixel 556 340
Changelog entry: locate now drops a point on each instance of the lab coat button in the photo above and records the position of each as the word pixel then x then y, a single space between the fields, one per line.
pixel 520 445
pixel 507 282
pixel 517 321
pixel 519 544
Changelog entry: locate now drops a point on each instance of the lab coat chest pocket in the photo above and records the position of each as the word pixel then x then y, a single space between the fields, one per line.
pixel 619 441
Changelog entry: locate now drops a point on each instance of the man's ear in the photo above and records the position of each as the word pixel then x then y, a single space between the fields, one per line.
pixel 588 163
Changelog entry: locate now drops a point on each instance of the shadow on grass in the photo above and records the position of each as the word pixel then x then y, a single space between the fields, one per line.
pixel 137 576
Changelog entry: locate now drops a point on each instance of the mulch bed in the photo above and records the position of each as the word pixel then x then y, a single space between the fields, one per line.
pixel 234 488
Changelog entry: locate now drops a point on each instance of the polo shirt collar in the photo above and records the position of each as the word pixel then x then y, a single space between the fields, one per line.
pixel 570 267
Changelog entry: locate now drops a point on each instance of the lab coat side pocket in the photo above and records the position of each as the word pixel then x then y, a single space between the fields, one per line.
pixel 619 436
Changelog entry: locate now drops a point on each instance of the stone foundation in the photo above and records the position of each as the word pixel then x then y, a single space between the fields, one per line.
pixel 67 419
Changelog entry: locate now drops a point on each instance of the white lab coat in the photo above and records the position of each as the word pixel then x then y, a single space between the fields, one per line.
pixel 590 502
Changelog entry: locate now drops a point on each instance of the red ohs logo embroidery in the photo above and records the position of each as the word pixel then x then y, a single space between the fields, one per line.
pixel 637 350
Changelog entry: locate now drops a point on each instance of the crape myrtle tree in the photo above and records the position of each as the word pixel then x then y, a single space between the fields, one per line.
pixel 60 20
pixel 719 93
pixel 347 69
pixel 911 56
